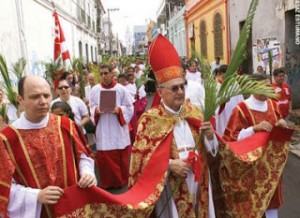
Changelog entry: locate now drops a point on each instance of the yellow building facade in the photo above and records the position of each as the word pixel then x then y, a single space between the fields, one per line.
pixel 207 29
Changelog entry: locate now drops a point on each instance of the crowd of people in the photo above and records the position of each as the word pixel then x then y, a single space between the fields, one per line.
pixel 107 138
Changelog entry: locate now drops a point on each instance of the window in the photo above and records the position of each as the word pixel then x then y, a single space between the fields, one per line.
pixel 203 39
pixel 218 35
pixel 80 48
pixel 193 47
pixel 87 53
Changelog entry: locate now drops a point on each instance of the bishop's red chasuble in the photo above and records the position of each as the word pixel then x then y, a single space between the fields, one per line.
pixel 38 158
pixel 151 152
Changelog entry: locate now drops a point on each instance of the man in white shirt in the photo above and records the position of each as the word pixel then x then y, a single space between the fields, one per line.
pixel 41 154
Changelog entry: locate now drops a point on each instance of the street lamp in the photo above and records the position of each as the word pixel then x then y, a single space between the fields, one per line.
pixel 109 28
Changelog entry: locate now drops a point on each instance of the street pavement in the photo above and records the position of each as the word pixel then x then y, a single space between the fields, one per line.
pixel 291 188
pixel 291 178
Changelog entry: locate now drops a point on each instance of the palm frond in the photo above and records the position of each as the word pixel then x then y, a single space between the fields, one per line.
pixel 142 80
pixel 244 85
pixel 53 70
pixel 94 69
pixel 3 111
pixel 9 89
pixel 19 67
pixel 239 53
pixel 78 66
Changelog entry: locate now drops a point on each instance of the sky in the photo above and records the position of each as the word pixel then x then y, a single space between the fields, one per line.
pixel 130 13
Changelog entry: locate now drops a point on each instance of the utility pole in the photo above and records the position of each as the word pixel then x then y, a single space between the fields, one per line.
pixel 110 34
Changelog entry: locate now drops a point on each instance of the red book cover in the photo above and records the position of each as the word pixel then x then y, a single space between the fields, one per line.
pixel 107 101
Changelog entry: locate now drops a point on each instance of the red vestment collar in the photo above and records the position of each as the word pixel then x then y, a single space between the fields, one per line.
pixel 109 86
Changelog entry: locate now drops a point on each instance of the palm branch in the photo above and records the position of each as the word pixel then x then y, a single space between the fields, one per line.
pixel 19 67
pixel 3 111
pixel 142 80
pixel 233 84
pixel 77 65
pixel 239 54
pixel 94 69
pixel 9 89
pixel 53 70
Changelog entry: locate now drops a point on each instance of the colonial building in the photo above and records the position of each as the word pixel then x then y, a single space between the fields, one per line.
pixel 207 29
pixel 273 34
pixel 176 31
pixel 27 30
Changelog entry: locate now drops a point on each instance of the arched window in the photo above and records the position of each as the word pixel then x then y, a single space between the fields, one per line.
pixel 87 53
pixel 80 48
pixel 218 35
pixel 203 39
pixel 96 55
pixel 92 55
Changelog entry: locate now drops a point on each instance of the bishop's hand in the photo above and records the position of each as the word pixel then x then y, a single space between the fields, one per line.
pixel 207 130
pixel 179 167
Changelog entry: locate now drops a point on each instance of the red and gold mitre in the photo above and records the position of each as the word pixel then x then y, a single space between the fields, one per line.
pixel 164 60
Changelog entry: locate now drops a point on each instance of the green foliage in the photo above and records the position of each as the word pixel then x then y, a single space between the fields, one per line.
pixel 239 54
pixel 126 61
pixel 19 67
pixel 235 85
pixel 3 111
pixel 9 89
pixel 53 70
pixel 142 80
pixel 78 66
pixel 94 69
pixel 105 59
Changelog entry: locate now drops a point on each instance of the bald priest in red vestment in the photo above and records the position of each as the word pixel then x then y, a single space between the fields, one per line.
pixel 40 155
pixel 174 125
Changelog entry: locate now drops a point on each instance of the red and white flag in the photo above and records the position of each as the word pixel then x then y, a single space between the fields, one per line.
pixel 60 46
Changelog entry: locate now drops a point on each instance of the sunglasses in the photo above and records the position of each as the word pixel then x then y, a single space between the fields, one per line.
pixel 63 87
pixel 175 88
pixel 103 73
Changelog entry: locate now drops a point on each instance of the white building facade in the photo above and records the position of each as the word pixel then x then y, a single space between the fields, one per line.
pixel 27 30
pixel 177 34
